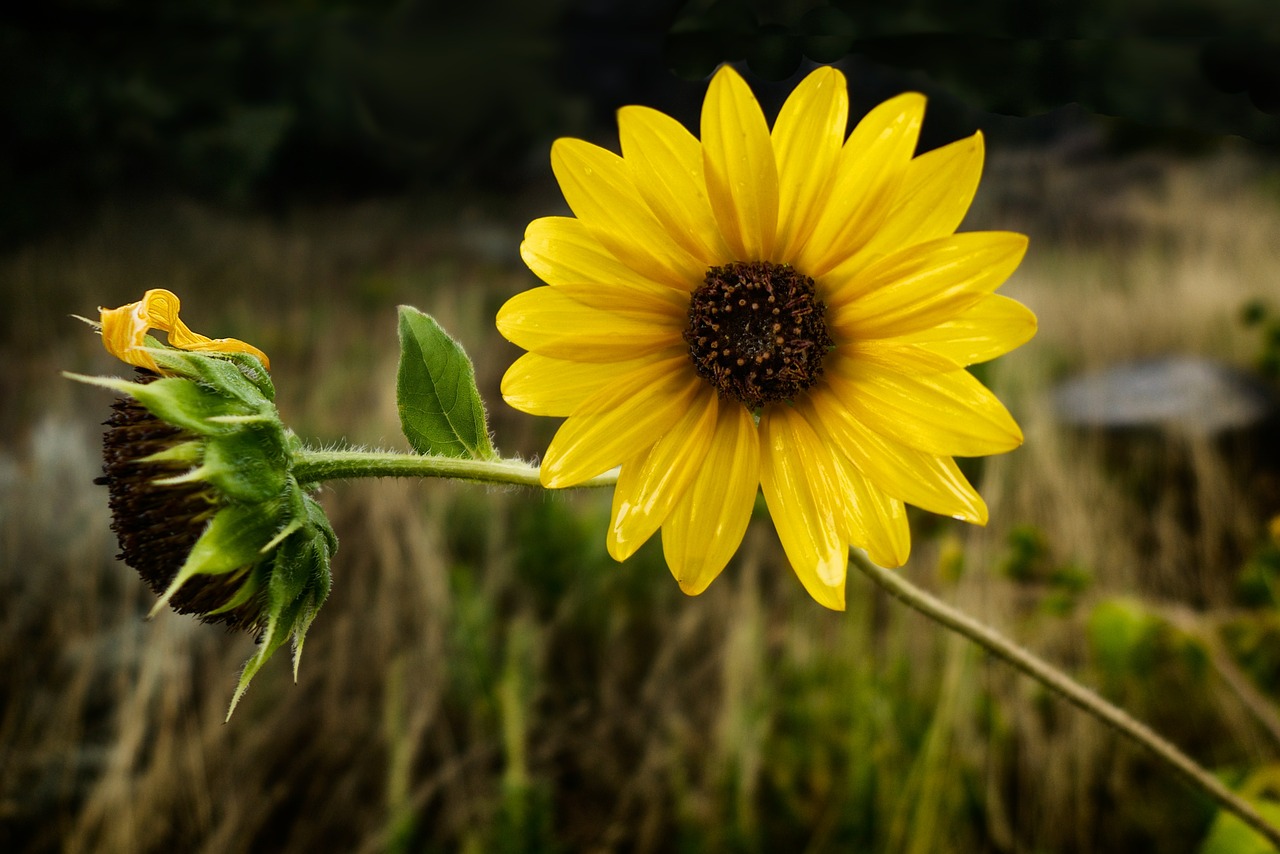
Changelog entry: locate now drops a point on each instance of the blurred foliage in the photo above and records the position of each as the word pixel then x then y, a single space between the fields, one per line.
pixel 250 103
pixel 239 101
pixel 1230 835
pixel 1257 314
pixel 1125 639
pixel 1259 582
pixel 1190 68
pixel 1254 641
pixel 1028 560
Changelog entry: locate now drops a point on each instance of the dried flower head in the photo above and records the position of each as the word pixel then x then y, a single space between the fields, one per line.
pixel 197 464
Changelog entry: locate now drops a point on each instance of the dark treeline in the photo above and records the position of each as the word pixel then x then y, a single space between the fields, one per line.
pixel 245 102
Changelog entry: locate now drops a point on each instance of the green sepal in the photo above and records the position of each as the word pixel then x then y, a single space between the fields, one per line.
pixel 290 570
pixel 186 404
pixel 236 375
pixel 252 584
pixel 232 540
pixel 319 522
pixel 273 637
pixel 441 412
pixel 298 584
pixel 254 371
pixel 183 452
pixel 249 465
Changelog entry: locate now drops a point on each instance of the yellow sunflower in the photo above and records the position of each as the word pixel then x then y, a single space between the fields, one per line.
pixel 781 309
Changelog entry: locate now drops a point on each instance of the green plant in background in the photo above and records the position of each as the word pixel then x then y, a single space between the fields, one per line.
pixel 1028 562
pixel 1260 316
pixel 935 296
pixel 1229 835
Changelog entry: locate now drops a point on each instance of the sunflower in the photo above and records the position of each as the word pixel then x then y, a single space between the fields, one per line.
pixel 199 474
pixel 785 310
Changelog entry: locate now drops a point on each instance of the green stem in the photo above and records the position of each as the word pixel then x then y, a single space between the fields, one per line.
pixel 1062 684
pixel 313 466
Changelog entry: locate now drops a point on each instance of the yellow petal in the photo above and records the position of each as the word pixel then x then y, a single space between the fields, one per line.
pixel 706 527
pixel 561 251
pixel 649 486
pixel 872 166
pixel 542 386
pixel 946 414
pixel 925 480
pixel 742 176
pixel 923 286
pixel 991 327
pixel 804 492
pixel 620 421
pixel 548 322
pixel 807 139
pixel 666 167
pixel 124 331
pixel 874 521
pixel 597 185
pixel 891 353
pixel 934 196
pixel 631 299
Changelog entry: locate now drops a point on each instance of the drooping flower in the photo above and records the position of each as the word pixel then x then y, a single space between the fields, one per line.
pixel 124 331
pixel 197 465
pixel 781 309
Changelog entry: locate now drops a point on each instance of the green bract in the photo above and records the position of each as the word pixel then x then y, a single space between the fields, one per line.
pixel 205 503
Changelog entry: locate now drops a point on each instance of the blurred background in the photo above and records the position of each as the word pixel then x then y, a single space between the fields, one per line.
pixel 484 677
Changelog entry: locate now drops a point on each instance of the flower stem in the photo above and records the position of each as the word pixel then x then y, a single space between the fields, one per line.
pixel 1062 684
pixel 313 466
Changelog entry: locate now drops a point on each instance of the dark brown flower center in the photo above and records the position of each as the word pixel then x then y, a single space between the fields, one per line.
pixel 156 525
pixel 757 332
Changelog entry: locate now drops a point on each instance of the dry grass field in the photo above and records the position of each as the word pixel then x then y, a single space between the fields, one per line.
pixel 484 677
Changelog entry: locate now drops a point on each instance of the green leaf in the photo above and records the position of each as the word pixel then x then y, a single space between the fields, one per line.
pixel 440 408
pixel 1121 631
pixel 1229 835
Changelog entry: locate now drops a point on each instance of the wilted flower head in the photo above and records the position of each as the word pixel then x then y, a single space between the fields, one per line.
pixel 198 468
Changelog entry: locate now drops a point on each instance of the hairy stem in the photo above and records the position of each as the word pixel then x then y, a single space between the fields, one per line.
pixel 1066 687
pixel 313 466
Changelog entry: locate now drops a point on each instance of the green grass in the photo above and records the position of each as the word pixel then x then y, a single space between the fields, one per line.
pixel 484 677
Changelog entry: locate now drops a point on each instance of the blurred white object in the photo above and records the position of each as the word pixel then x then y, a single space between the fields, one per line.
pixel 1192 395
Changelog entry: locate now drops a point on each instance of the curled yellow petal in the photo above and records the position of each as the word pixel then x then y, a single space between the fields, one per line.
pixel 124 331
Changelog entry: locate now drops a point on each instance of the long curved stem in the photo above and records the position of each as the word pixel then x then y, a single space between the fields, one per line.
pixel 1066 687
pixel 313 466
